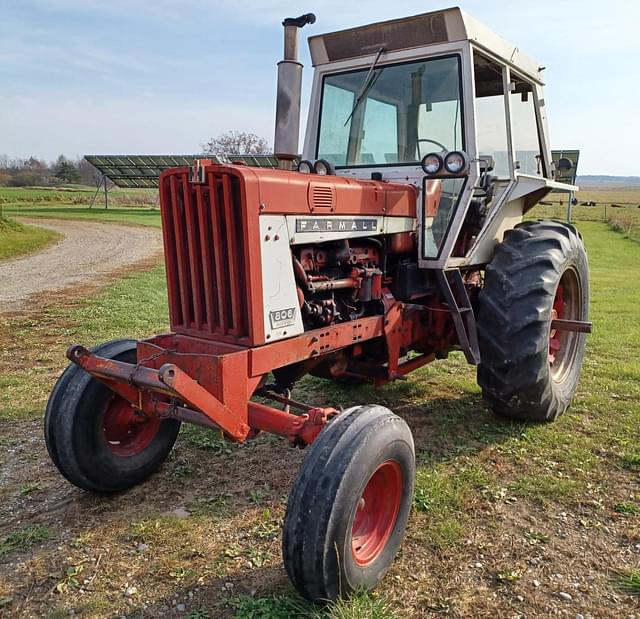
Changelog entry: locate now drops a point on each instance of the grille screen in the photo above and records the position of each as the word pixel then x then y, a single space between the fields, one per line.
pixel 205 255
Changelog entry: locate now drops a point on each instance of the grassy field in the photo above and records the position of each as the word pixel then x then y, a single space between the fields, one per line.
pixel 509 519
pixel 140 206
pixel 134 206
pixel 17 239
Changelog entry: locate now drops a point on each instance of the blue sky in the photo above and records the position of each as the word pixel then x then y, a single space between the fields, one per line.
pixel 163 76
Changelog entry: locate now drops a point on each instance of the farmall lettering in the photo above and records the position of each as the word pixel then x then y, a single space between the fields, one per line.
pixel 325 224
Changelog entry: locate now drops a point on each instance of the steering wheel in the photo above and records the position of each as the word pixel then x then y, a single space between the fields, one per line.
pixel 442 146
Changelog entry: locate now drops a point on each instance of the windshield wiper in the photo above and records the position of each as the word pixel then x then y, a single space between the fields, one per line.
pixel 367 84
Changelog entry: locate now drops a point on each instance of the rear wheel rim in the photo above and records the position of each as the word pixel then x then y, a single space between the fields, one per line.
pixel 563 345
pixel 376 513
pixel 127 431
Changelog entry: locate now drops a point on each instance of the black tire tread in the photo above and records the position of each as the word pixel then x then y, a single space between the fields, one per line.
pixel 513 317
pixel 63 410
pixel 303 542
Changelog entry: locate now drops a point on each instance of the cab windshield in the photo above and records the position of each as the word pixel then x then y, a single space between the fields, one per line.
pixel 394 114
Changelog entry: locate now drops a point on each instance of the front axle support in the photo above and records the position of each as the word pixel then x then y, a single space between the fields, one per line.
pixel 170 392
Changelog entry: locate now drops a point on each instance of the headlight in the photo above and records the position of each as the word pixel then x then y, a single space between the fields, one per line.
pixel 323 167
pixel 305 167
pixel 456 162
pixel 432 163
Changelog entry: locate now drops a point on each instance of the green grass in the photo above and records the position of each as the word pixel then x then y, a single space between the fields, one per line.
pixel 135 306
pixel 132 206
pixel 24 538
pixel 624 218
pixel 143 216
pixel 631 461
pixel 361 605
pixel 471 464
pixel 541 486
pixel 629 582
pixel 74 194
pixel 627 508
pixel 18 239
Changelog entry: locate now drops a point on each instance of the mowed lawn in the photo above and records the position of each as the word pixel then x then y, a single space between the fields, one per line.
pixel 509 519
pixel 133 206
pixel 17 239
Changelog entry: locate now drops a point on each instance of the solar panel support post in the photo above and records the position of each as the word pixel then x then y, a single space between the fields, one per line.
pixel 106 195
pixel 98 188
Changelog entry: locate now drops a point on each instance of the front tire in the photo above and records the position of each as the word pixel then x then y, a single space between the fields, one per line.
pixel 349 506
pixel 528 371
pixel 95 438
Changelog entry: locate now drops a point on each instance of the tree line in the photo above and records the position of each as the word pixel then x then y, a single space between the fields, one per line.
pixel 37 172
pixel 32 171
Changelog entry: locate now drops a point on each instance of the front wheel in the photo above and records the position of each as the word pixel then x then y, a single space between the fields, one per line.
pixel 96 439
pixel 529 370
pixel 349 506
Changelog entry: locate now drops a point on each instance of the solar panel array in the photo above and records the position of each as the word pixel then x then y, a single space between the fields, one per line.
pixel 566 176
pixel 144 170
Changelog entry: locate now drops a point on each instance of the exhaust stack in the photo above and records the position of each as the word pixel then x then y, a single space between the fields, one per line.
pixel 288 97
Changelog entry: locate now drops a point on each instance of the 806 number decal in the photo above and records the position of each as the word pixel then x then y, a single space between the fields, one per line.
pixel 282 318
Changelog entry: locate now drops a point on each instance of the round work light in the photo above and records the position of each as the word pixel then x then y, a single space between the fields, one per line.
pixel 456 162
pixel 305 167
pixel 323 167
pixel 432 163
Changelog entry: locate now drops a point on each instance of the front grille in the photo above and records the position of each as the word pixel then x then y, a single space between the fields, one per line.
pixel 205 255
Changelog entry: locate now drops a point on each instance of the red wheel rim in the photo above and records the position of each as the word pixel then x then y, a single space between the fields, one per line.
pixel 564 345
pixel 127 431
pixel 376 513
pixel 555 343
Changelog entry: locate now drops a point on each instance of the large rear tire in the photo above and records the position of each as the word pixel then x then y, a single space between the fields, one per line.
pixel 528 371
pixel 95 438
pixel 349 506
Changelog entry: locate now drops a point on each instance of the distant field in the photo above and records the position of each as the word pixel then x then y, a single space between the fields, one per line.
pixel 617 195
pixel 142 216
pixel 134 206
pixel 619 207
pixel 140 206
pixel 75 195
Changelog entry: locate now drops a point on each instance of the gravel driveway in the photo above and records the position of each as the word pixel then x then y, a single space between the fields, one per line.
pixel 88 250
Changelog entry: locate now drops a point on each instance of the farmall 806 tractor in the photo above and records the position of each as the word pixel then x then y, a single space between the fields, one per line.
pixel 397 239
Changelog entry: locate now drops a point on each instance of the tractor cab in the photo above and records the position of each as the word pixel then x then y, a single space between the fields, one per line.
pixel 441 102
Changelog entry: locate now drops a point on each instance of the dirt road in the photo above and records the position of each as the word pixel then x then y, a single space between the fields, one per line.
pixel 88 251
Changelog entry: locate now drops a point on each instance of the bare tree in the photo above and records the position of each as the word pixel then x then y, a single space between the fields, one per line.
pixel 236 143
pixel 88 174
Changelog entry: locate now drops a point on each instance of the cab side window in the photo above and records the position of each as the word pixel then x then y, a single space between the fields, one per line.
pixel 491 117
pixel 524 127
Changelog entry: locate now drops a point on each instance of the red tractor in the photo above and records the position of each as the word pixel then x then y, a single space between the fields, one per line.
pixel 397 240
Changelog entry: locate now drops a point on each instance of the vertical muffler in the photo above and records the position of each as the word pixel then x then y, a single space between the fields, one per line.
pixel 285 143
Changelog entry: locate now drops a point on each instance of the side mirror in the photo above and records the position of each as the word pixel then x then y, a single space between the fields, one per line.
pixel 564 164
pixel 487 163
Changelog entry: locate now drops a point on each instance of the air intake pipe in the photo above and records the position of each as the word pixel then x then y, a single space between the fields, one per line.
pixel 285 142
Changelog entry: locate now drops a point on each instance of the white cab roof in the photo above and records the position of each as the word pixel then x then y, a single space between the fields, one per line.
pixel 422 30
